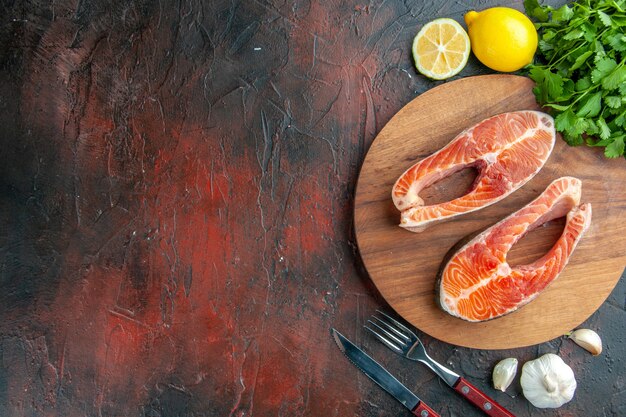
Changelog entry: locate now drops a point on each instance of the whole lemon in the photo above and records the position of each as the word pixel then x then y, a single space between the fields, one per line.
pixel 502 38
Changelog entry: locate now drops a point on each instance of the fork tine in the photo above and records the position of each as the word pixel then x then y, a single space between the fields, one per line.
pixel 392 329
pixel 397 323
pixel 385 341
pixel 391 336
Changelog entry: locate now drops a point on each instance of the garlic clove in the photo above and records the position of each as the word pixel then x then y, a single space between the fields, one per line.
pixel 548 382
pixel 503 373
pixel 587 339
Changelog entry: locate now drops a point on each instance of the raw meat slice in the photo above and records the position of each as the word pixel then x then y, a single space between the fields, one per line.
pixel 476 283
pixel 507 150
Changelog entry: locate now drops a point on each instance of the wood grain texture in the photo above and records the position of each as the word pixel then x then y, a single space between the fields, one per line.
pixel 403 265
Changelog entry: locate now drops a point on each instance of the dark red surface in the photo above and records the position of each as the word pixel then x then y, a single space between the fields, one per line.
pixel 176 187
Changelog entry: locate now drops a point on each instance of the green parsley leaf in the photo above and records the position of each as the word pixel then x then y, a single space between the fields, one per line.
pixel 551 83
pixel 605 131
pixel 617 42
pixel 580 125
pixel 602 142
pixel 591 106
pixel 562 14
pixel 581 60
pixel 569 89
pixel 591 131
pixel 533 9
pixel 545 46
pixel 619 20
pixel 613 102
pixel 573 34
pixel 590 31
pixel 598 48
pixel 583 84
pixel 615 78
pixel 603 68
pixel 604 18
pixel 565 121
pixel 572 139
pixel 548 35
pixel 616 148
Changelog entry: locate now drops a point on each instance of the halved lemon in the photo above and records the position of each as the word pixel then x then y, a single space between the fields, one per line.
pixel 441 48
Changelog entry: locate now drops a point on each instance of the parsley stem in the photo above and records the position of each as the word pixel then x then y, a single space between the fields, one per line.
pixel 551 64
pixel 549 25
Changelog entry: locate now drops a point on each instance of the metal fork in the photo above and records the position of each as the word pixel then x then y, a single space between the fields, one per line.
pixel 400 339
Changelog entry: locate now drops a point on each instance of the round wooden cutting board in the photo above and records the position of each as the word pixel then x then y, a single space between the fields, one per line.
pixel 403 265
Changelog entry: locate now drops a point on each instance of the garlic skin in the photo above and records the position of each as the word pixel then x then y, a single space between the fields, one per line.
pixel 503 373
pixel 548 382
pixel 587 339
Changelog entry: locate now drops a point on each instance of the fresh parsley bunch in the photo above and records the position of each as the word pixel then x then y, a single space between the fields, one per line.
pixel 580 70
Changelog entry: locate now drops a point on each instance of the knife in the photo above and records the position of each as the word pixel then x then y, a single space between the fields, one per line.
pixel 382 377
pixel 405 343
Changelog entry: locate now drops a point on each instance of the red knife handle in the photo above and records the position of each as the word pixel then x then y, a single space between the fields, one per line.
pixel 480 400
pixel 422 410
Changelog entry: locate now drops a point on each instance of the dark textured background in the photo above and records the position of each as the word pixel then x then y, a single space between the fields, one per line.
pixel 176 194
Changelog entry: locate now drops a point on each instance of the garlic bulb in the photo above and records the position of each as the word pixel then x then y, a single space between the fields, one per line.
pixel 548 382
pixel 503 373
pixel 587 339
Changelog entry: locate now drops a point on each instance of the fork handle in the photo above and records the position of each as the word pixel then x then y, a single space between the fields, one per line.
pixel 480 399
pixel 422 410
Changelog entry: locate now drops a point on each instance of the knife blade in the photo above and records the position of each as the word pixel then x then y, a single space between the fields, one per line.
pixel 382 377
